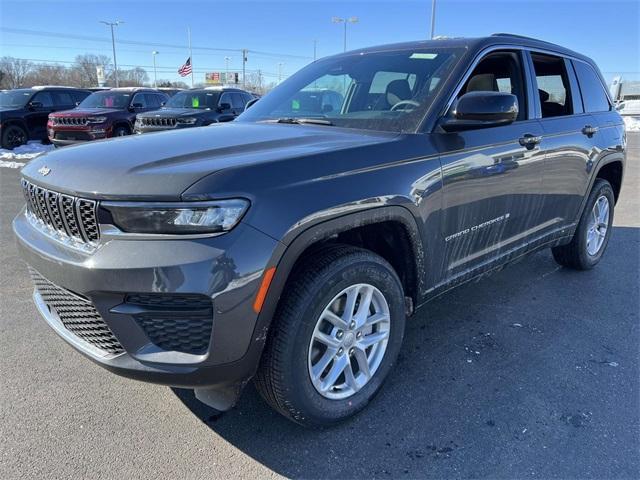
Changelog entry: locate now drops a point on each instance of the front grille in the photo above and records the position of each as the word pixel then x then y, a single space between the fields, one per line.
pixel 158 122
pixel 77 314
pixel 72 135
pixel 67 216
pixel 73 121
pixel 175 322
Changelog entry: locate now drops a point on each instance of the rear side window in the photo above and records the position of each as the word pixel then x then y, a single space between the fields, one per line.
pixel 237 101
pixel 62 99
pixel 553 85
pixel 80 96
pixel 44 98
pixel 594 97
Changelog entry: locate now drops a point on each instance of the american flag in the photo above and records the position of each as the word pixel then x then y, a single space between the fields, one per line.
pixel 185 69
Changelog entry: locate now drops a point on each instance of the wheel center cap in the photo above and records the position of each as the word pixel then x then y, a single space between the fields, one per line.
pixel 349 339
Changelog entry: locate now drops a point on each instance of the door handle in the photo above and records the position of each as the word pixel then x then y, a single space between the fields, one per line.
pixel 529 141
pixel 588 130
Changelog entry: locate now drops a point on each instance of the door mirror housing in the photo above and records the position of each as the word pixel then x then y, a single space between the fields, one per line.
pixel 35 105
pixel 135 106
pixel 482 110
pixel 251 102
pixel 224 106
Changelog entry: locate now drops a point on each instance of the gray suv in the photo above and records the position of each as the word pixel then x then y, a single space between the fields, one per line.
pixel 291 245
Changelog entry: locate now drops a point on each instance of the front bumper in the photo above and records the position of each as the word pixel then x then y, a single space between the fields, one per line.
pixel 138 128
pixel 226 269
pixel 71 136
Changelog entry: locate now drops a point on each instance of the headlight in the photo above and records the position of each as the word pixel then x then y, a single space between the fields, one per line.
pixel 187 120
pixel 97 119
pixel 178 218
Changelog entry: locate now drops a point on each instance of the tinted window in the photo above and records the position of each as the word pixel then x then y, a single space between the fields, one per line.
pixel 247 97
pixel 79 96
pixel 44 98
pixel 499 72
pixel 226 98
pixel 152 100
pixel 237 102
pixel 107 99
pixel 194 99
pixel 594 97
pixel 63 99
pixel 140 100
pixel 553 85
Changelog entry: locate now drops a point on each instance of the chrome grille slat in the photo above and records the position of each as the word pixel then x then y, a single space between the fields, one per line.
pixel 68 216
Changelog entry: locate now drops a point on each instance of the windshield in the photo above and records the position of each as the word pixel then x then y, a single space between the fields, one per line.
pixel 109 99
pixel 378 91
pixel 15 98
pixel 201 99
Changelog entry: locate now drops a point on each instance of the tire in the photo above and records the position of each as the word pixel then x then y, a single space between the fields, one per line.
pixel 13 136
pixel 585 251
pixel 284 377
pixel 121 131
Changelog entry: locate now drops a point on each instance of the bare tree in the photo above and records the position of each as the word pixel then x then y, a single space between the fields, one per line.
pixel 43 74
pixel 14 71
pixel 86 65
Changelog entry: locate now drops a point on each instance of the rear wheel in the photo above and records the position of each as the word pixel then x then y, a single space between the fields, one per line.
pixel 336 334
pixel 13 136
pixel 121 131
pixel 593 232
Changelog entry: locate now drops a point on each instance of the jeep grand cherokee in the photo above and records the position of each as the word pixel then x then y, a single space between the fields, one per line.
pixel 291 245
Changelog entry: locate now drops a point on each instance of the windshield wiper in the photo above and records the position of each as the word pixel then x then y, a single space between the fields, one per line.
pixel 302 121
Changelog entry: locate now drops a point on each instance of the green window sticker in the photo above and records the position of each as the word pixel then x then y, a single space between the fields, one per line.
pixel 424 56
pixel 295 104
pixel 195 102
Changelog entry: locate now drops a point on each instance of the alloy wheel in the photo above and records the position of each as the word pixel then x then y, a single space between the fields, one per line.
pixel 598 225
pixel 349 341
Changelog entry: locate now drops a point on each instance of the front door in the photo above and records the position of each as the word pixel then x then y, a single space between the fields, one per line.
pixel 492 177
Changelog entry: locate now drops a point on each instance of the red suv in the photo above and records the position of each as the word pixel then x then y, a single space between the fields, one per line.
pixel 110 113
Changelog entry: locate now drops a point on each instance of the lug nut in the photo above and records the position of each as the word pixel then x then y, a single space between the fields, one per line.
pixel 359 335
pixel 352 325
pixel 352 351
pixel 339 334
pixel 340 351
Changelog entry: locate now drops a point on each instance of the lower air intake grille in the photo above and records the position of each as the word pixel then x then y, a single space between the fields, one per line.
pixel 77 314
pixel 175 322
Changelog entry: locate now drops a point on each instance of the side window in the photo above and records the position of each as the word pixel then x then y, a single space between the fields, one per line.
pixel 225 98
pixel 499 72
pixel 139 98
pixel 237 102
pixel 44 98
pixel 247 97
pixel 594 97
pixel 152 100
pixel 62 99
pixel 79 96
pixel 553 85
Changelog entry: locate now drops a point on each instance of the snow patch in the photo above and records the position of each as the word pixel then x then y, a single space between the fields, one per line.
pixel 632 124
pixel 18 157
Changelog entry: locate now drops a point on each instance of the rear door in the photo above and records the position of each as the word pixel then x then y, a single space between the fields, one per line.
pixel 37 116
pixel 492 177
pixel 570 149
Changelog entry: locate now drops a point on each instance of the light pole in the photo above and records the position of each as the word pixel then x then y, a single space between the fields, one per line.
pixel 226 69
pixel 113 45
pixel 280 65
pixel 155 74
pixel 433 18
pixel 345 21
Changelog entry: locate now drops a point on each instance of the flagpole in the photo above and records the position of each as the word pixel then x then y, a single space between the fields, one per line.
pixel 190 54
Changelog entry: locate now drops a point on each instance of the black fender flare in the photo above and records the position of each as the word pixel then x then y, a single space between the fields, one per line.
pixel 286 255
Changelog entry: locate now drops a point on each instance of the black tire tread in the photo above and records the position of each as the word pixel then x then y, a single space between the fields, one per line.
pixel 269 378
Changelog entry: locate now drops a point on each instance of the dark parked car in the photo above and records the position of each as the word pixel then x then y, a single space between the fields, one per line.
pixel 103 114
pixel 24 111
pixel 292 248
pixel 195 108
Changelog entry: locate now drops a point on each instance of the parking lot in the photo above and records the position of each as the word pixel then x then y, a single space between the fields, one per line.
pixel 532 372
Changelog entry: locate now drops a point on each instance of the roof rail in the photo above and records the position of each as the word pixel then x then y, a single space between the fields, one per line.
pixel 504 34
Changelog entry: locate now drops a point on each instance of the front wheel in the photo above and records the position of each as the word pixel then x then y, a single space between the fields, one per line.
pixel 121 131
pixel 13 136
pixel 593 231
pixel 336 335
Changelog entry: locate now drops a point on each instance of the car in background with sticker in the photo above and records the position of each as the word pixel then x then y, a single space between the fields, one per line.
pixel 195 108
pixel 103 114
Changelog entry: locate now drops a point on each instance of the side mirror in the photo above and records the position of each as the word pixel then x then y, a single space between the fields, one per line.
pixel 224 106
pixel 35 105
pixel 77 103
pixel 162 104
pixel 482 110
pixel 135 106
pixel 251 102
pixel 620 106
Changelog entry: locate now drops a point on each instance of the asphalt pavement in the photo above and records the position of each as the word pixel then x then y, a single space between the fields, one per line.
pixel 533 372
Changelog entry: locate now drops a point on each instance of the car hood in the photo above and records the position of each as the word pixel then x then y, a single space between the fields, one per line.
pixel 85 112
pixel 174 112
pixel 162 166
